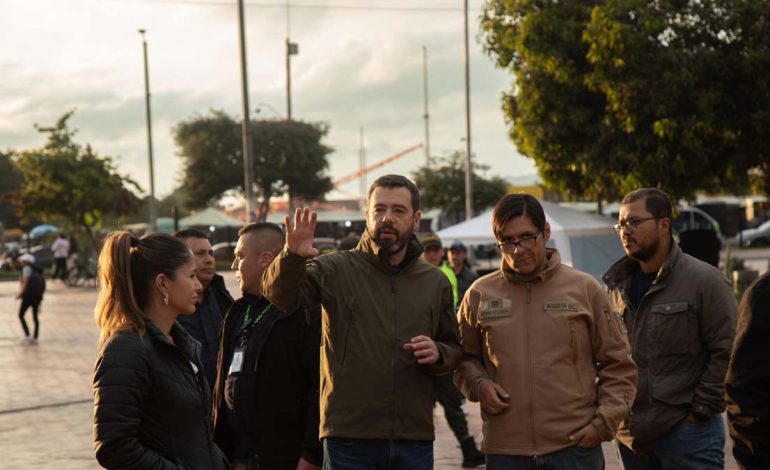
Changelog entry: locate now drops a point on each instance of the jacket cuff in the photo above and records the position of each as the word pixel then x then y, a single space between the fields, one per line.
pixel 313 457
pixel 604 432
pixel 701 412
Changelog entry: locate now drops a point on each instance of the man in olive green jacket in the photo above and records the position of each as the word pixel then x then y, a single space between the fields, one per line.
pixel 680 315
pixel 388 327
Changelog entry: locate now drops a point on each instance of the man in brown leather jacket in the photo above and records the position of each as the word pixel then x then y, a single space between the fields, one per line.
pixel 680 315
pixel 543 352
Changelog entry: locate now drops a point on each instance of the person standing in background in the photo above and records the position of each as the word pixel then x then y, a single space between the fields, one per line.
pixel 458 260
pixel 61 250
pixel 205 323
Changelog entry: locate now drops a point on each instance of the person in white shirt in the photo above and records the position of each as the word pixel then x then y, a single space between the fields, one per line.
pixel 61 250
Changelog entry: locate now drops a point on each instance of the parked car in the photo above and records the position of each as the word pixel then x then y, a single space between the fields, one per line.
pixel 224 251
pixel 759 236
pixel 43 257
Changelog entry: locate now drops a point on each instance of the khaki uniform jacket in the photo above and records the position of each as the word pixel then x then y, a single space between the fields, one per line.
pixel 371 388
pixel 546 342
pixel 681 336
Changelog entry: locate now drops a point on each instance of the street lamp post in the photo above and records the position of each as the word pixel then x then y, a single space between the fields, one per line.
pixel 152 210
pixel 292 48
pixel 268 106
pixel 248 156
pixel 468 169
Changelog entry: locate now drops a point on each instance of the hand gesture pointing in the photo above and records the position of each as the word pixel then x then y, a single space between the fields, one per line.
pixel 299 237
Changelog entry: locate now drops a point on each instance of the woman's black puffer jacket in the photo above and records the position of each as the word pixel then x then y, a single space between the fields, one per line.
pixel 152 407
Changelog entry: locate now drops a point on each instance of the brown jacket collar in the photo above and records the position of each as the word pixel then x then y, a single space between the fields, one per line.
pixel 552 264
pixel 620 273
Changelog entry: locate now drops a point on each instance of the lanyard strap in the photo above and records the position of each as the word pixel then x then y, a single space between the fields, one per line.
pixel 248 323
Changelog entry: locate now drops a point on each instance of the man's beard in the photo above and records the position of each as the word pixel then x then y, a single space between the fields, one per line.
pixel 392 247
pixel 646 253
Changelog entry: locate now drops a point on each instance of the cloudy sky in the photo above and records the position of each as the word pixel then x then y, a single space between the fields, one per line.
pixel 359 65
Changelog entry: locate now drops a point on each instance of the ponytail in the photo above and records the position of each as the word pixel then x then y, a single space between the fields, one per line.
pixel 127 269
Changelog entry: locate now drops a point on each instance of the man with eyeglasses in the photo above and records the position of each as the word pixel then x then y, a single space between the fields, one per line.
pixel 680 315
pixel 543 352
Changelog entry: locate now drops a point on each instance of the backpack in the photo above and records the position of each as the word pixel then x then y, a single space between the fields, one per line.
pixel 35 285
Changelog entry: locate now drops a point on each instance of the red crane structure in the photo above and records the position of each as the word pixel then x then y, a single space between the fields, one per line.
pixel 348 178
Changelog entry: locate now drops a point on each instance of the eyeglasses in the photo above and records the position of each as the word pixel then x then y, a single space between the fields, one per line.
pixel 630 225
pixel 527 242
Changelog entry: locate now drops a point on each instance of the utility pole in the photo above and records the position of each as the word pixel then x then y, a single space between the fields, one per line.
pixel 248 155
pixel 292 48
pixel 152 210
pixel 362 168
pixel 426 115
pixel 468 170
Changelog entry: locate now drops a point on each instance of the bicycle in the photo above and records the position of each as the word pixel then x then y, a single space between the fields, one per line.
pixel 82 274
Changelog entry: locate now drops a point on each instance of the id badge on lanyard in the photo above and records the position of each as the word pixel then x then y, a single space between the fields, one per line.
pixel 236 365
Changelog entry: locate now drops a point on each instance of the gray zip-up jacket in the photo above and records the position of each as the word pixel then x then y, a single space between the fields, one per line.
pixel 681 336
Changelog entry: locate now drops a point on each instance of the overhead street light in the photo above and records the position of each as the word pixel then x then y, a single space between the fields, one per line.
pixel 268 106
pixel 152 209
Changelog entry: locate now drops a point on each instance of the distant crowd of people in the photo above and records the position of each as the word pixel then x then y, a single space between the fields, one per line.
pixel 336 361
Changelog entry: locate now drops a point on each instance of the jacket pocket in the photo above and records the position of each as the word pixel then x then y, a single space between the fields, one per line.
pixel 671 330
pixel 574 345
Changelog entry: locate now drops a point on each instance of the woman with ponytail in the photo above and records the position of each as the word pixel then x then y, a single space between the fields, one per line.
pixel 151 402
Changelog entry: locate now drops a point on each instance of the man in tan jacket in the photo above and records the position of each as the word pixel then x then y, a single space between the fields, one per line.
pixel 543 352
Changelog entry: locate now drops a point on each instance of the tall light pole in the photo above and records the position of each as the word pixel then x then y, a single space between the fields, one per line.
pixel 152 210
pixel 248 155
pixel 468 181
pixel 292 48
pixel 425 115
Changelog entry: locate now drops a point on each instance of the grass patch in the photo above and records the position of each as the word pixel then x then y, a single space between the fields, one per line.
pixel 10 276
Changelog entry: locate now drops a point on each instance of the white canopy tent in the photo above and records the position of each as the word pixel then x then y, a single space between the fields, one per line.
pixel 585 241
pixel 209 217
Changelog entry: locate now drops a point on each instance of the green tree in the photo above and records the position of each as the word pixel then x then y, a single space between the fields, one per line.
pixel 442 186
pixel 555 118
pixel 68 183
pixel 683 83
pixel 289 158
pixel 611 95
pixel 10 185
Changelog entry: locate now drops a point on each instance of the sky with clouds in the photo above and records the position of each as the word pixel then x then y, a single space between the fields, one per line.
pixel 359 65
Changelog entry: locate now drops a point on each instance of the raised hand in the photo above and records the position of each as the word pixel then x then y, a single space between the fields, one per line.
pixel 299 237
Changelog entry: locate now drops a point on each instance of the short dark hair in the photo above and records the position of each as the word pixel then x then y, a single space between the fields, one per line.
pixel 656 202
pixel 396 181
pixel 275 245
pixel 190 233
pixel 515 205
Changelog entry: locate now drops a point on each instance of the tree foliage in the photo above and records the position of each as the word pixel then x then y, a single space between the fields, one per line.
pixel 611 95
pixel 442 186
pixel 70 183
pixel 289 158
pixel 10 186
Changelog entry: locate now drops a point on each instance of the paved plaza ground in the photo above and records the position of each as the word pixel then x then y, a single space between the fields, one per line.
pixel 45 390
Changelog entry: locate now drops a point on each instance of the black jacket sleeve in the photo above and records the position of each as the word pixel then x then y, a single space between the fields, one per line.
pixel 312 450
pixel 747 385
pixel 121 384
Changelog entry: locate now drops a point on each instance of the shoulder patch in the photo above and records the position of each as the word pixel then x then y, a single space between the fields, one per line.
pixel 561 306
pixel 495 308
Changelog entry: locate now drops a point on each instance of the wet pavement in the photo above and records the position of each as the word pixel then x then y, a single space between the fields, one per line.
pixel 46 396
